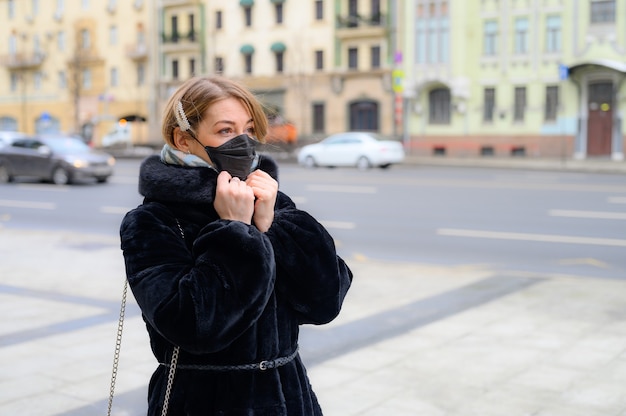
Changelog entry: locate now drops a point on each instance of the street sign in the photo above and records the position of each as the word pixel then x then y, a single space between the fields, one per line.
pixel 563 72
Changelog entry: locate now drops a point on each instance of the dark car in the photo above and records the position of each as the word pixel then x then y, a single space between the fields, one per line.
pixel 59 159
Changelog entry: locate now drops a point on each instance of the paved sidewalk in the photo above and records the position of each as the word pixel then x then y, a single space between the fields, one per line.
pixel 412 339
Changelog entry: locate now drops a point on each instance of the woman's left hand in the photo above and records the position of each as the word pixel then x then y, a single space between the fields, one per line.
pixel 265 189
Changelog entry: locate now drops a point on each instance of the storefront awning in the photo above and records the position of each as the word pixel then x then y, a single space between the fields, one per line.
pixel 246 3
pixel 278 47
pixel 247 49
pixel 277 1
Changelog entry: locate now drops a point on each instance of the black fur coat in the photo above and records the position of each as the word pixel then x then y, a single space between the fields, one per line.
pixel 227 294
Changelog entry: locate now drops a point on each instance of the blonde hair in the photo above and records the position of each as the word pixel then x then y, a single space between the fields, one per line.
pixel 197 94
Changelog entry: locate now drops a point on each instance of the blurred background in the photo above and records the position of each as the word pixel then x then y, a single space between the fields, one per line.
pixel 447 78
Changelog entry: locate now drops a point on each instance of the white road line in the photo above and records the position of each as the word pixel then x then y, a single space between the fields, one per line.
pixel 338 224
pixel 617 199
pixel 588 214
pixel 343 189
pixel 544 238
pixel 27 204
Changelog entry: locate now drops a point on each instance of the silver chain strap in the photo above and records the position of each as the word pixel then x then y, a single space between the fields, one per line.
pixel 118 346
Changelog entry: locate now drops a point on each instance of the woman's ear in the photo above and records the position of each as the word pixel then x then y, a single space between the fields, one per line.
pixel 181 140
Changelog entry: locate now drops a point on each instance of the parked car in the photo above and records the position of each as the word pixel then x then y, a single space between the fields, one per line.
pixel 7 137
pixel 58 159
pixel 361 149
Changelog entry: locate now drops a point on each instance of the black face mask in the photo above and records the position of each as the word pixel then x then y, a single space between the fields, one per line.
pixel 237 156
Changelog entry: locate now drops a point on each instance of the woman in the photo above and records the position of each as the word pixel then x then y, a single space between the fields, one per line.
pixel 223 265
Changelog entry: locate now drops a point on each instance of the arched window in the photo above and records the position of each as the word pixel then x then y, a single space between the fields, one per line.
pixel 439 106
pixel 364 115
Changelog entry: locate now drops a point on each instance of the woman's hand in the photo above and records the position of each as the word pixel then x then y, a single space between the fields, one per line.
pixel 265 189
pixel 234 199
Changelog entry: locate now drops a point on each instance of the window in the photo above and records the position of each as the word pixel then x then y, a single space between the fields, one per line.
pixel 175 69
pixel 113 35
pixel 353 13
pixel 192 67
pixel 439 106
pixel 61 41
pixel 219 64
pixel 60 7
pixel 85 4
pixel 319 60
pixel 520 104
pixel 318 118
pixel 35 8
pixel 319 10
pixel 247 11
pixel 602 11
pixel 552 102
pixel 489 107
pixel 353 58
pixel 247 63
pixel 490 38
pixel 521 35
pixel 85 39
pixel 553 34
pixel 376 14
pixel 86 78
pixel 37 80
pixel 11 7
pixel 192 28
pixel 174 23
pixel 375 56
pixel 280 57
pixel 218 19
pixel 15 79
pixel 61 80
pixel 12 44
pixel 431 34
pixel 114 77
pixel 141 74
pixel 279 13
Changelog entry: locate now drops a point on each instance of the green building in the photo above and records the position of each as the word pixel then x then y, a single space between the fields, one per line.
pixel 535 78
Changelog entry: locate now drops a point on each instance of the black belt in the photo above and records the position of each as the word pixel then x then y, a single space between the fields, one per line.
pixel 263 365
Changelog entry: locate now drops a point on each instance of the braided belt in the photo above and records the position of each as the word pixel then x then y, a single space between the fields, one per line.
pixel 263 365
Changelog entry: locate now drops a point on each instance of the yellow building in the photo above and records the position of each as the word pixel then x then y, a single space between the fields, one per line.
pixel 514 77
pixel 74 66
pixel 322 64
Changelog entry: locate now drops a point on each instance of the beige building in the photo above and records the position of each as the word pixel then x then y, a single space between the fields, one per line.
pixel 74 66
pixel 322 64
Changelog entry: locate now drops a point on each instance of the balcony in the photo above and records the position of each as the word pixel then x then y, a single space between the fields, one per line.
pixel 358 26
pixel 137 52
pixel 19 61
pixel 180 42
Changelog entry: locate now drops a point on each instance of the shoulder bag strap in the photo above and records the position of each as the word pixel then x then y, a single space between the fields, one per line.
pixel 118 346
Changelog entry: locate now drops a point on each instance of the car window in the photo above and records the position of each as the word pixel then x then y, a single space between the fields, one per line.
pixel 67 145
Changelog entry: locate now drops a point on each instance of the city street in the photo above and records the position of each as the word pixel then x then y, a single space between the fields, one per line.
pixel 476 292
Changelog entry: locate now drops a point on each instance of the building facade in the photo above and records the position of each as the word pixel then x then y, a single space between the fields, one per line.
pixel 323 65
pixel 74 65
pixel 540 78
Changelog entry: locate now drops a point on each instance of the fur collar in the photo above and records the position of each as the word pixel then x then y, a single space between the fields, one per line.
pixel 185 184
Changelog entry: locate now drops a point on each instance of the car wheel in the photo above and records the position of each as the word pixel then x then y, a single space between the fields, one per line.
pixel 385 166
pixel 363 163
pixel 5 176
pixel 102 179
pixel 309 162
pixel 60 176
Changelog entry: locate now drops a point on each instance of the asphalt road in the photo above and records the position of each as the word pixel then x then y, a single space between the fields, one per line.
pixel 537 221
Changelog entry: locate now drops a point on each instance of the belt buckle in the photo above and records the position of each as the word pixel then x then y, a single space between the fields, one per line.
pixel 263 365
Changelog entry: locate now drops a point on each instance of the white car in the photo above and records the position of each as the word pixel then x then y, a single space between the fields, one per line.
pixel 361 149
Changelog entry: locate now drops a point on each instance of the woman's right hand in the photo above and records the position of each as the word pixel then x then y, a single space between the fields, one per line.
pixel 234 199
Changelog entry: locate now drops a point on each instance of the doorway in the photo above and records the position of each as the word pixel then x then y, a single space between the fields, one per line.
pixel 600 119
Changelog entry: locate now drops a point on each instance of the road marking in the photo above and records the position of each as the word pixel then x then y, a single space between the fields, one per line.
pixel 343 189
pixel 338 224
pixel 114 210
pixel 40 187
pixel 544 238
pixel 585 261
pixel 27 204
pixel 617 200
pixel 588 214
